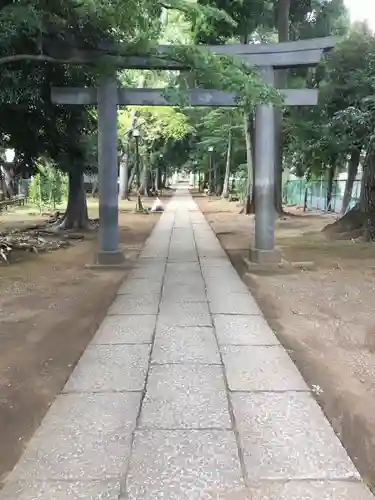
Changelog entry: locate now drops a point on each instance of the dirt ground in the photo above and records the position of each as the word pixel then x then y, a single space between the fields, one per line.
pixel 50 307
pixel 323 314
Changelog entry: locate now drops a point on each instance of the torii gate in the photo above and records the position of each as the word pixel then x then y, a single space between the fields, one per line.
pixel 266 57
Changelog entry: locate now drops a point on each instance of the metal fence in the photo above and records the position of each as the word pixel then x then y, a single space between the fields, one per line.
pixel 295 192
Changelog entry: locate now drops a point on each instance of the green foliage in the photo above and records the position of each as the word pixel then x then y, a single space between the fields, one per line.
pixel 48 188
pixel 345 118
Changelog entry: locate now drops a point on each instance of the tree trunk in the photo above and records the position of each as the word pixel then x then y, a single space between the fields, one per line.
pixel 282 19
pixel 331 176
pixel 7 182
pixel 360 220
pixel 124 176
pixel 131 178
pixel 210 175
pixel 305 200
pixel 124 166
pixel 144 180
pixel 206 180
pixel 227 165
pixel 250 160
pixel 352 174
pixel 164 177
pixel 76 216
pixel 216 178
pixel 367 203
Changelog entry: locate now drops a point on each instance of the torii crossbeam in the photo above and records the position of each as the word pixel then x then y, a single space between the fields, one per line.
pixel 267 57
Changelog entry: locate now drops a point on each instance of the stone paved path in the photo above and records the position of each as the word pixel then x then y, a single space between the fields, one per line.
pixel 184 394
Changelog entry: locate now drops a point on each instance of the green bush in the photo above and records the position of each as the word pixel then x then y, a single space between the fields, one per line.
pixel 48 188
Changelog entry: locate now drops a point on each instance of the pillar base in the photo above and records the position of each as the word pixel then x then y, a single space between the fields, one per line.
pixel 110 260
pixel 258 256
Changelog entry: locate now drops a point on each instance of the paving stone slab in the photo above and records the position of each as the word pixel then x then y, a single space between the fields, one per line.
pixel 216 262
pixel 140 287
pixel 150 252
pixel 126 329
pixel 185 345
pixel 232 284
pixel 184 314
pixel 224 302
pixel 61 490
pixel 243 330
pixel 308 490
pixel 203 232
pixel 152 274
pixel 182 267
pixel 185 397
pixel 180 256
pixel 227 272
pixel 181 278
pixel 261 368
pixel 182 238
pixel 105 368
pixel 141 303
pixel 156 263
pixel 183 465
pixel 207 247
pixel 182 245
pixel 190 287
pixel 179 293
pixel 82 437
pixel 210 254
pixel 286 436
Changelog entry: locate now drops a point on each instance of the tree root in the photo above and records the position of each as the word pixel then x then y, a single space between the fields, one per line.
pixel 353 225
pixel 64 224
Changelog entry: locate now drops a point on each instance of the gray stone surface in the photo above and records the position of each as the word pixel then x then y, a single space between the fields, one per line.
pixel 223 274
pixel 153 264
pixel 216 262
pixel 152 251
pixel 110 368
pixel 140 287
pixel 143 303
pixel 308 490
pixel 188 465
pixel 224 302
pixel 126 329
pixel 181 278
pixel 182 267
pixel 185 345
pixel 183 256
pixel 260 368
pixel 243 330
pixel 185 397
pixel 179 293
pixel 184 314
pixel 83 437
pixel 152 274
pixel 61 490
pixel 233 284
pixel 286 436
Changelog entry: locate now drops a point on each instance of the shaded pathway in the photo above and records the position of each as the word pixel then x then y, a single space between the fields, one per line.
pixel 184 394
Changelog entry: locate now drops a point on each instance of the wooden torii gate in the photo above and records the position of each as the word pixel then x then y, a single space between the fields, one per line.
pixel 266 57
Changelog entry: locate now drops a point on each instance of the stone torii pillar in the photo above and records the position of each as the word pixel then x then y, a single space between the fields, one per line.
pixel 109 253
pixel 264 249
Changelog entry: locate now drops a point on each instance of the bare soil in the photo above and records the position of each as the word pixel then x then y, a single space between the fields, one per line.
pixel 50 307
pixel 323 314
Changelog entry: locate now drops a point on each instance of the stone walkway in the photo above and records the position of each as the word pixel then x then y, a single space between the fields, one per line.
pixel 184 394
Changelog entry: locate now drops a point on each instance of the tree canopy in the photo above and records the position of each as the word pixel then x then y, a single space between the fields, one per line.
pixel 335 135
